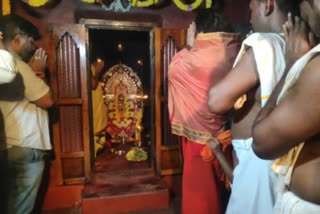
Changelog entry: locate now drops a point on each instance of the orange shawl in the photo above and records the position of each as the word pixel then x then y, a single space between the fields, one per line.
pixel 191 74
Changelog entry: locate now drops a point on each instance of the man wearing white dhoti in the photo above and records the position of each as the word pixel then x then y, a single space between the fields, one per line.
pixel 258 68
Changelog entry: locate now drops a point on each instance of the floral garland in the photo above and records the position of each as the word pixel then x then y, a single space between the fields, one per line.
pixel 179 3
pixel 6 9
pixel 190 7
pixel 36 3
pixel 147 3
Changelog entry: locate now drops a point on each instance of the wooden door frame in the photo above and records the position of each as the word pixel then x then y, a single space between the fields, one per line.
pixel 169 156
pixel 127 26
pixel 75 157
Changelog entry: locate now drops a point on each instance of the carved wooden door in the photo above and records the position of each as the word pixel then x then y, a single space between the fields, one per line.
pixel 69 84
pixel 168 146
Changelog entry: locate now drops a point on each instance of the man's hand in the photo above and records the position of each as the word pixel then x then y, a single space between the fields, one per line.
pixel 299 39
pixel 38 62
pixel 98 66
pixel 215 146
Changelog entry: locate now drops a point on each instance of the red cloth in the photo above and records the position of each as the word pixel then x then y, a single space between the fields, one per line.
pixel 201 182
pixel 191 74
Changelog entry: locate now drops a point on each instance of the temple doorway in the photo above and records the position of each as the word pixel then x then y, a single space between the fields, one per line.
pixel 123 166
pixel 112 176
pixel 126 48
pixel 115 183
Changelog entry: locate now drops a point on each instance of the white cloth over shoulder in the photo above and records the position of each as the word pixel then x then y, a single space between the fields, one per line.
pixel 296 70
pixel 268 51
pixel 7 67
pixel 253 180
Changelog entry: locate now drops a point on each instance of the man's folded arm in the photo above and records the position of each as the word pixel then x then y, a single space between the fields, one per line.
pixel 294 120
pixel 237 82
pixel 45 101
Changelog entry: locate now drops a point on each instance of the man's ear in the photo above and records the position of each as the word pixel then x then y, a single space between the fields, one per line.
pixel 17 39
pixel 269 7
pixel 16 43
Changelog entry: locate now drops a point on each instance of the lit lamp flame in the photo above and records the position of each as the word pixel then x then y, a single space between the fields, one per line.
pixel 120 47
pixel 140 62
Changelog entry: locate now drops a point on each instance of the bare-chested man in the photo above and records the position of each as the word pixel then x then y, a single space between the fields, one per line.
pixel 259 66
pixel 287 128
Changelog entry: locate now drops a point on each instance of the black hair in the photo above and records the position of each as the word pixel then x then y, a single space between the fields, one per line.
pixel 287 6
pixel 218 5
pixel 13 25
pixel 210 20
